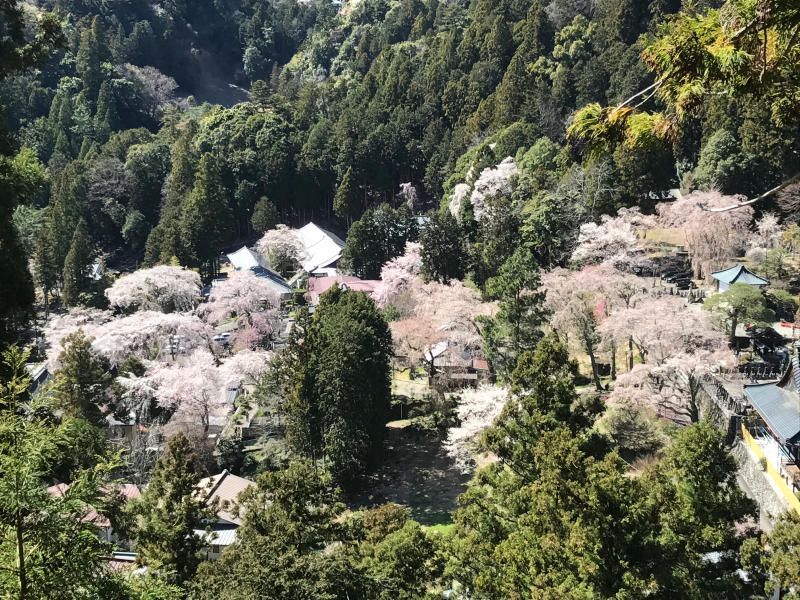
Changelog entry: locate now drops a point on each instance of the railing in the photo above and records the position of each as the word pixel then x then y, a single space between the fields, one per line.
pixel 773 473
pixel 722 397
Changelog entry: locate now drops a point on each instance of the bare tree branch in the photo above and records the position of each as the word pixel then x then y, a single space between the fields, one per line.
pixel 766 194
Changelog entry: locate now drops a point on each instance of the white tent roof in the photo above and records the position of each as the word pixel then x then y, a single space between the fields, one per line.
pixel 244 259
pixel 322 248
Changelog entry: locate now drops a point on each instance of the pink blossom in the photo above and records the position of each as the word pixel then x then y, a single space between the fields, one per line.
pixel 712 238
pixel 144 333
pixel 194 386
pixel 477 410
pixel 614 241
pixel 282 247
pixel 397 274
pixel 249 299
pixel 435 312
pixel 164 288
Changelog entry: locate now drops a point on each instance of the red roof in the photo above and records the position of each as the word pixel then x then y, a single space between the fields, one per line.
pixel 480 364
pixel 319 285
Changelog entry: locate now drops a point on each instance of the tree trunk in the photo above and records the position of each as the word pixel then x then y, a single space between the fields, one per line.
pixel 734 325
pixel 630 353
pixel 613 361
pixel 21 572
pixel 595 377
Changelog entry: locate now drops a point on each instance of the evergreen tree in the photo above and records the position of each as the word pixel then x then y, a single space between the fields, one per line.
pixel 49 543
pixel 341 392
pixel 75 277
pixel 66 207
pixel 347 202
pixel 259 92
pixel 265 216
pixel 89 58
pixel 288 517
pixel 106 117
pixel 16 293
pixel 207 222
pixel 515 328
pixel 739 302
pixel 443 249
pixel 377 237
pixel 82 383
pixel 168 514
pixel 44 266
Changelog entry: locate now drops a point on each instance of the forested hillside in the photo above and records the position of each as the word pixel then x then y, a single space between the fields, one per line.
pixel 472 292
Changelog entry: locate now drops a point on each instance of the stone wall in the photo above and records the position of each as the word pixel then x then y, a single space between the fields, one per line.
pixel 754 480
pixel 758 485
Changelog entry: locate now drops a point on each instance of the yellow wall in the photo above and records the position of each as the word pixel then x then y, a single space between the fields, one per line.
pixel 771 471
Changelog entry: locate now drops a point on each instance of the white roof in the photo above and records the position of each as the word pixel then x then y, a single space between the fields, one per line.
pixel 244 259
pixel 218 536
pixel 436 350
pixel 322 248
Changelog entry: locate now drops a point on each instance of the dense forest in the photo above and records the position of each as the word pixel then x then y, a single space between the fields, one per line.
pixel 493 164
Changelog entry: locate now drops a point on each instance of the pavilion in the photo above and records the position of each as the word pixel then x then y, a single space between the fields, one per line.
pixel 738 274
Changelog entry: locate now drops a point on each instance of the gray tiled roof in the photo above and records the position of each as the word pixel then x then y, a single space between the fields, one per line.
pixel 739 274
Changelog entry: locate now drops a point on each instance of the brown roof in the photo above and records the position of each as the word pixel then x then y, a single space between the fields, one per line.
pixel 128 490
pixel 480 364
pixel 225 488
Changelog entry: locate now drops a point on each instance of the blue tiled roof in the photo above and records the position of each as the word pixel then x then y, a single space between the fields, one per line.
pixel 779 403
pixel 739 274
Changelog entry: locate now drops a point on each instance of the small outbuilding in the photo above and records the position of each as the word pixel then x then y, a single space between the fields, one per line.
pixel 738 274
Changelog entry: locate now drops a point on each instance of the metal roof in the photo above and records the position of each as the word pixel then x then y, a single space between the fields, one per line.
pixel 218 536
pixel 244 259
pixel 275 280
pixel 739 274
pixel 322 248
pixel 779 403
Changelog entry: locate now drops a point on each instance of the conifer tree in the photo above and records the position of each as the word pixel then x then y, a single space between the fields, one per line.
pixel 341 392
pixel 83 382
pixel 88 60
pixel 66 206
pixel 106 118
pixel 259 92
pixel 347 202
pixel 265 216
pixel 168 514
pixel 165 241
pixel 44 265
pixel 48 546
pixel 207 219
pixel 75 276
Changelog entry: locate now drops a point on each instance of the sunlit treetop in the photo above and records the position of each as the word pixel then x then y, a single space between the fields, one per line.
pixel 747 47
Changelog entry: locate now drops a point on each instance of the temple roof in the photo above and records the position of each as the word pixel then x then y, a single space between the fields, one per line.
pixel 739 274
pixel 779 403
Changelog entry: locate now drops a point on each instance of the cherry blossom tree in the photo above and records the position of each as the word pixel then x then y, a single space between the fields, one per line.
pixel 249 299
pixel 767 232
pixel 397 274
pixel 408 195
pixel 164 288
pixel 146 334
pixel 614 241
pixel 192 388
pixel 576 300
pixel 677 346
pixel 712 237
pixel 59 327
pixel 435 312
pixel 283 249
pixel 477 410
pixel 493 181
